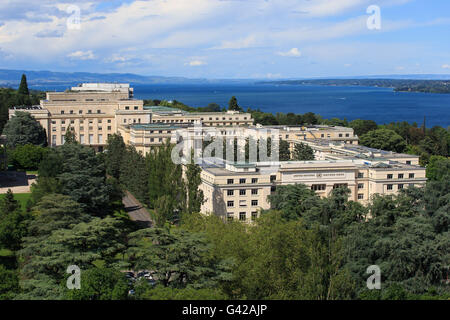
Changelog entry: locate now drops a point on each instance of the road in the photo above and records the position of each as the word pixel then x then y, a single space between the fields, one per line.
pixel 136 211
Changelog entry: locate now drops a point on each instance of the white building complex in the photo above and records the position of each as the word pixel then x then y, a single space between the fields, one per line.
pixel 238 190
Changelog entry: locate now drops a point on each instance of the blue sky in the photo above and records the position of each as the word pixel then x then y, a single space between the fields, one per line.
pixel 226 38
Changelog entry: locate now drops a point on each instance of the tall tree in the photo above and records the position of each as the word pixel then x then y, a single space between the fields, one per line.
pixel 384 139
pixel 23 87
pixel 285 153
pixel 302 152
pixel 22 129
pixel 195 197
pixel 115 152
pixel 233 104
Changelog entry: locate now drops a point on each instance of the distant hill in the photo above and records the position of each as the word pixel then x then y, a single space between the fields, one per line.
pixel 399 85
pixel 11 78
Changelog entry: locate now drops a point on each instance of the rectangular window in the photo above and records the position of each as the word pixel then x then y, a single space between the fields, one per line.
pixel 360 196
pixel 230 216
pixel 390 187
pixel 254 215
pixel 82 138
pixel 254 203
pixel 80 111
pixel 230 181
pixel 318 187
pixel 71 112
pixel 242 181
pixel 127 108
pixel 411 175
pixel 136 107
pixel 360 175
pixel 53 140
pixel 91 139
pixel 242 216
pixel 242 192
pixel 230 204
pixel 400 186
pixel 230 192
pixel 109 127
pixel 400 175
pixel 408 162
pixel 99 111
pixel 360 185
pixel 109 120
pixel 254 180
pixel 100 138
pixel 390 176
pixel 273 178
pixel 62 111
pixel 254 191
pixel 242 203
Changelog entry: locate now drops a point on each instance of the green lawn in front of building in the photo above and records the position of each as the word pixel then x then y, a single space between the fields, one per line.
pixel 21 197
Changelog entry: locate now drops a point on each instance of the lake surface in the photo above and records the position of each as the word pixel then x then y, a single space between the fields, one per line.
pixel 382 105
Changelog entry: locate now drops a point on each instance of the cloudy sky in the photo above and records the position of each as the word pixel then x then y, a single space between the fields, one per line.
pixel 227 38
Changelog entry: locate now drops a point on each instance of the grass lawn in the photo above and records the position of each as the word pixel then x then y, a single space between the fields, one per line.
pixel 21 197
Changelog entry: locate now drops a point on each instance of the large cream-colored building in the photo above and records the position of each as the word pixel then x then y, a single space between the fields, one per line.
pixel 96 110
pixel 239 191
pixel 232 190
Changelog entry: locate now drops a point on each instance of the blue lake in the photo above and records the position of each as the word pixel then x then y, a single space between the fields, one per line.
pixel 382 105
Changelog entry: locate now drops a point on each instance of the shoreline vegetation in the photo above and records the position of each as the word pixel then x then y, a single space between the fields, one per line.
pixel 398 85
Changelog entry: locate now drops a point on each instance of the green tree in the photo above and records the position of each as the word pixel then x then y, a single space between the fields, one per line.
pixel 361 127
pixel 293 200
pixel 115 151
pixel 8 204
pixel 23 87
pixel 384 139
pixel 285 153
pixel 69 136
pixel 178 258
pixel 23 94
pixel 195 197
pixel 233 105
pixel 22 129
pixel 302 152
pixel 9 284
pixel 27 156
pixel 438 168
pixel 100 284
pixel 80 174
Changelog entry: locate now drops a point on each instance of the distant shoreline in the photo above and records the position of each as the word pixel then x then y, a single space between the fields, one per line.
pixel 398 85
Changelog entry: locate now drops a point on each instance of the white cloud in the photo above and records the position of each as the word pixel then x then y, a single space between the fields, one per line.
pixel 446 66
pixel 294 52
pixel 82 55
pixel 195 63
pixel 238 44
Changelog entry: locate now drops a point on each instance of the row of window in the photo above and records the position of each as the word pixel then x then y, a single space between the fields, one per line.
pixel 242 192
pixel 242 181
pixel 242 216
pixel 82 139
pixel 400 176
pixel 128 108
pixel 81 121
pixel 80 111
pixel 242 203
pixel 109 128
pixel 399 186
